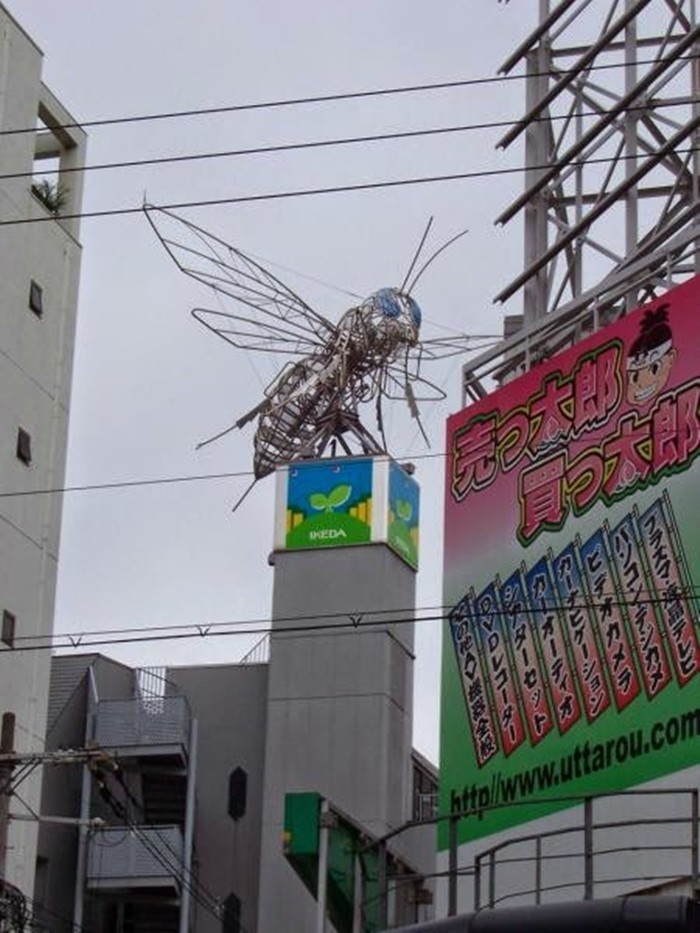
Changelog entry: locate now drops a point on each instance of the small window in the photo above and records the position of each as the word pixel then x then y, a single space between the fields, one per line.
pixel 8 629
pixel 36 298
pixel 24 446
pixel 231 920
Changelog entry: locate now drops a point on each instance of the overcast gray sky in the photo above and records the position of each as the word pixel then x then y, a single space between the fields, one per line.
pixel 149 383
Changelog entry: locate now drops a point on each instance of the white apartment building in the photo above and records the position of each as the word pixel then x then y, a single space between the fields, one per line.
pixel 39 274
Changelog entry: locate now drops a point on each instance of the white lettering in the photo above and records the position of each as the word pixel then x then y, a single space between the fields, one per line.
pixel 327 534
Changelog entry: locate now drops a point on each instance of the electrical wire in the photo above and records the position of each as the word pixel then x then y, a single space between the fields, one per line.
pixel 191 478
pixel 273 104
pixel 331 189
pixel 129 826
pixel 172 862
pixel 178 860
pixel 205 900
pixel 206 627
pixel 322 143
pixel 261 150
pixel 17 775
pixel 330 98
pixel 267 196
pixel 588 438
pixel 126 484
pixel 344 623
pixel 198 891
pixel 67 924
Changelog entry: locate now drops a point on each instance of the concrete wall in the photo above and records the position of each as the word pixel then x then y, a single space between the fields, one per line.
pixel 58 844
pixel 331 713
pixel 228 702
pixel 36 355
pixel 339 703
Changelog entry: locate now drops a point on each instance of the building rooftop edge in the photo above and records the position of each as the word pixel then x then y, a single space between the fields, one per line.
pixel 98 655
pixel 45 87
pixel 70 121
pixel 425 762
pixel 21 28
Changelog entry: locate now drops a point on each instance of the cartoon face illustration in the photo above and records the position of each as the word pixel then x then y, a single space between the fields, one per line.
pixel 650 358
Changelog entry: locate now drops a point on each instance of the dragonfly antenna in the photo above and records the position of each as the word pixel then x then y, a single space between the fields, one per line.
pixel 435 255
pixel 417 254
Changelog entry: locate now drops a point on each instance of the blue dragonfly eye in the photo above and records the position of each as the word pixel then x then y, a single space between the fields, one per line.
pixel 391 304
pixel 414 310
pixel 386 300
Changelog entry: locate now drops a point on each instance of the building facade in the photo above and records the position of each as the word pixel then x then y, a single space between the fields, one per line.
pixel 39 273
pixel 174 840
pixel 189 818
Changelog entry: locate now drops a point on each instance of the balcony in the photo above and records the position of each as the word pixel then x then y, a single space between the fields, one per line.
pixel 145 727
pixel 123 858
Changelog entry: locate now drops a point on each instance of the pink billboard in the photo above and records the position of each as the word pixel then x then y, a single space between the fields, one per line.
pixel 572 550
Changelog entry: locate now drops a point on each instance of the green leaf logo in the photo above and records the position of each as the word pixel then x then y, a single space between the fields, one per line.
pixel 318 501
pixel 339 496
pixel 404 510
pixel 335 498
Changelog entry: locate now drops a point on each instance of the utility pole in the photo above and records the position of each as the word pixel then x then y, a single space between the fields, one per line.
pixel 7 741
pixel 27 762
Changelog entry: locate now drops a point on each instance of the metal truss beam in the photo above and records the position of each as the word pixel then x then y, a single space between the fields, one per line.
pixel 610 206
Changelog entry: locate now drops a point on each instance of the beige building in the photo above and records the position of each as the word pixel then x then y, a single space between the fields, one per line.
pixel 39 274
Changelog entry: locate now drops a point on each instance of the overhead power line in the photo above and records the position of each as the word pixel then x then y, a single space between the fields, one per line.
pixel 162 481
pixel 234 474
pixel 65 924
pixel 310 192
pixel 270 104
pixel 323 98
pixel 359 622
pixel 170 860
pixel 319 143
pixel 264 150
pixel 266 196
pixel 185 875
pixel 261 625
pixel 125 484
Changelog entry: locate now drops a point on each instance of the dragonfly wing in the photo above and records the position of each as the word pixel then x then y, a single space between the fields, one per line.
pixel 400 376
pixel 257 333
pixel 276 319
pixel 404 378
pixel 441 348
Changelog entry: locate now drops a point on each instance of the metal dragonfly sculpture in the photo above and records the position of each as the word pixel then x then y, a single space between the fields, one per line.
pixel 374 352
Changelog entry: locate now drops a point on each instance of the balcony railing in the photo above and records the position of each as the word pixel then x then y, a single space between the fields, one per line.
pixel 627 850
pixel 124 857
pixel 141 722
pixel 425 807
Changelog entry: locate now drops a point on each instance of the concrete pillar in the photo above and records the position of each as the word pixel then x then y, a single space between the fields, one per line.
pixel 339 702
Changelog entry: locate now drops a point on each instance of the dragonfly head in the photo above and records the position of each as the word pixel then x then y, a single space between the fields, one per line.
pixel 396 306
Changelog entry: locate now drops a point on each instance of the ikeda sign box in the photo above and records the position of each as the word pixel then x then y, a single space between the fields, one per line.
pixel 572 561
pixel 347 501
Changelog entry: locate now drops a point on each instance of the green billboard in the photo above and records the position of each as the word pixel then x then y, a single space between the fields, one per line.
pixel 329 504
pixel 571 655
pixel 348 501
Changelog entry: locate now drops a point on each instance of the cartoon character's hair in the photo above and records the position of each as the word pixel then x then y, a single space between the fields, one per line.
pixel 654 331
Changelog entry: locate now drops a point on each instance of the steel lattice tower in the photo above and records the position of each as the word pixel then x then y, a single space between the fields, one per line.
pixel 610 205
